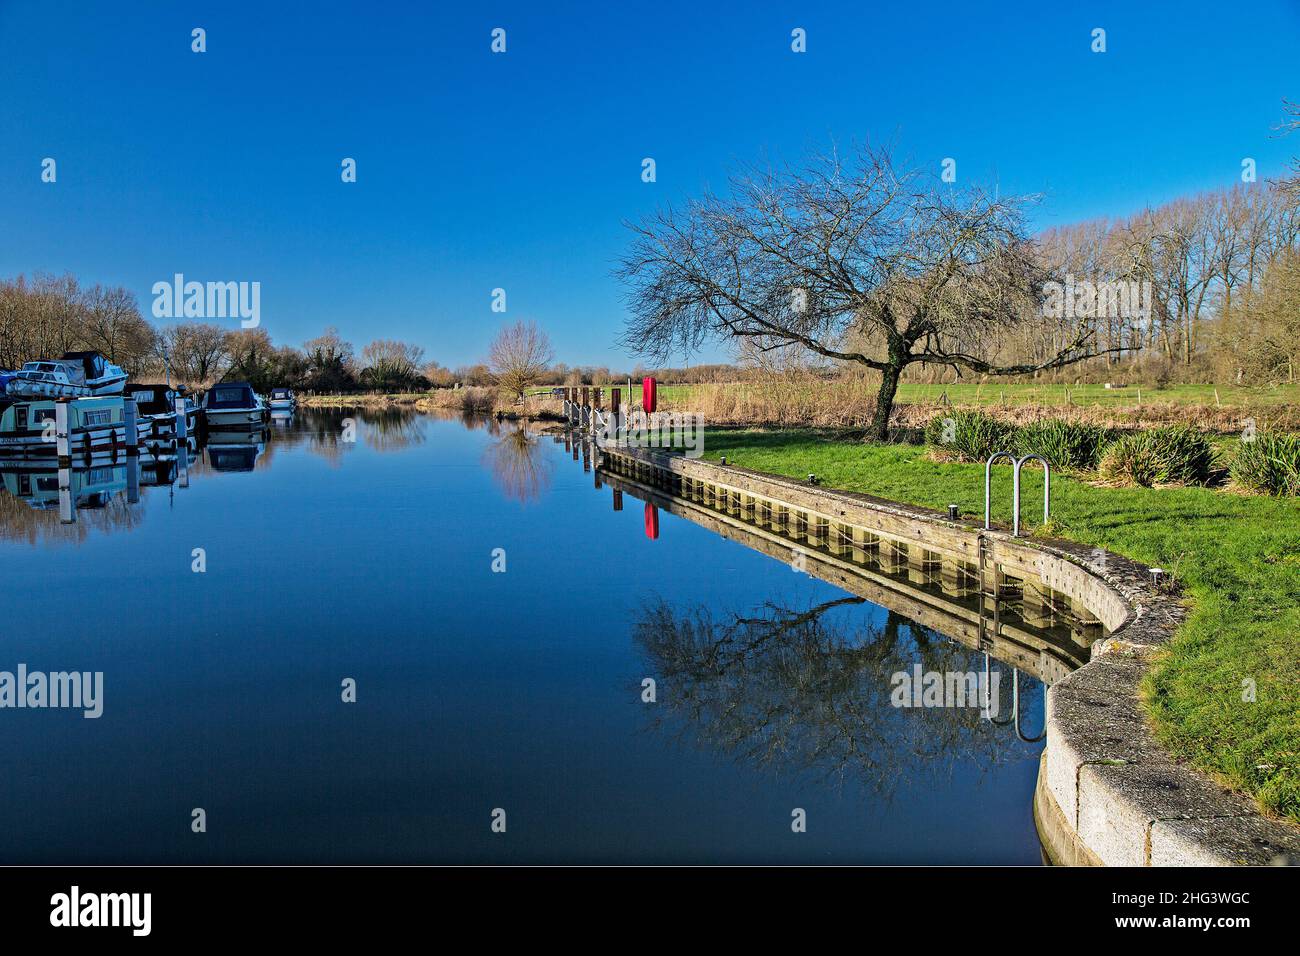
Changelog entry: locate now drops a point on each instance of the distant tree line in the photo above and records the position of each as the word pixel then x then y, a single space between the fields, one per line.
pixel 44 316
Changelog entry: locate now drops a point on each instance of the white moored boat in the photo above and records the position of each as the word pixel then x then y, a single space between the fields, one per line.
pixel 95 426
pixel 75 375
pixel 283 400
pixel 234 405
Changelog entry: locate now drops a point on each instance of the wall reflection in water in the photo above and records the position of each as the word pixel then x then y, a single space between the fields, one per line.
pixel 808 690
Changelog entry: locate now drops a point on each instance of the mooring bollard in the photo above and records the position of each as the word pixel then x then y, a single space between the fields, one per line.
pixel 63 448
pixel 181 431
pixel 131 426
pixel 62 444
pixel 615 412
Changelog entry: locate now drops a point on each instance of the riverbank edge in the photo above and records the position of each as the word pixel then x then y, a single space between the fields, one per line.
pixel 1108 793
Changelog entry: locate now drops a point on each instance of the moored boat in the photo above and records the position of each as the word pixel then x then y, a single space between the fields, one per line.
pixel 157 408
pixel 75 375
pixel 95 426
pixel 234 405
pixel 283 400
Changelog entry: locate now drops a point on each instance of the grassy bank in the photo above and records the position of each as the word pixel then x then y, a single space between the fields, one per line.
pixel 361 400
pixel 1238 557
pixel 474 400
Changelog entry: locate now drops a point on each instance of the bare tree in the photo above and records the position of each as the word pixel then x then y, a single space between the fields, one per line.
pixel 113 325
pixel 1290 123
pixel 390 365
pixel 519 356
pixel 855 260
pixel 330 362
pixel 197 352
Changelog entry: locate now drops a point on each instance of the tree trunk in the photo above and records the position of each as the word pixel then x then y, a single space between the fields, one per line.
pixel 885 402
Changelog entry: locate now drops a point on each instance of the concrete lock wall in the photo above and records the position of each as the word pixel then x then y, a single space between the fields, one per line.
pixel 1107 793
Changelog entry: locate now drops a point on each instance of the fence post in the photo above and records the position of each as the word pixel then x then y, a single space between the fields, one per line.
pixel 616 412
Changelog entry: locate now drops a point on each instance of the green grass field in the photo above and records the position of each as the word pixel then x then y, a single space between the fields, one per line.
pixel 1013 393
pixel 1126 397
pixel 1237 556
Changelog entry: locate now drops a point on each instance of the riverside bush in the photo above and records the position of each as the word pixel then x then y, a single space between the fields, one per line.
pixel 971 436
pixel 1270 463
pixel 1065 444
pixel 1176 455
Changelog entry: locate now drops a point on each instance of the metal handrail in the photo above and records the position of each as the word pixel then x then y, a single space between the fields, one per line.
pixel 1017 464
pixel 1015 491
pixel 1015 710
pixel 987 714
pixel 988 483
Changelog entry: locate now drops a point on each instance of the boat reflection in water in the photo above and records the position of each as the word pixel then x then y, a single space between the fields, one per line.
pixel 235 449
pixel 39 487
pixel 168 465
pixel 96 484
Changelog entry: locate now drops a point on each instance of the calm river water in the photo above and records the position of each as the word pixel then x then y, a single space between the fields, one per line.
pixel 476 689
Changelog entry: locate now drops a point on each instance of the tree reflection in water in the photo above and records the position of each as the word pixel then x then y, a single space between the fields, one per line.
pixel 390 429
pixel 519 464
pixel 808 691
pixel 19 521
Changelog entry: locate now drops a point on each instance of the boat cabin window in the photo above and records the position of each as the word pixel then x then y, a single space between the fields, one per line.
pixel 228 396
pixel 143 398
pixel 100 416
pixel 43 415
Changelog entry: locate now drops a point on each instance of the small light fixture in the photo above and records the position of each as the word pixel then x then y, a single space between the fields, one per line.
pixel 812 479
pixel 952 512
pixel 1157 575
pixel 723 460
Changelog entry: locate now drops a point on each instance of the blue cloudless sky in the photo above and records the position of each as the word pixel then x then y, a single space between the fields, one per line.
pixel 478 170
